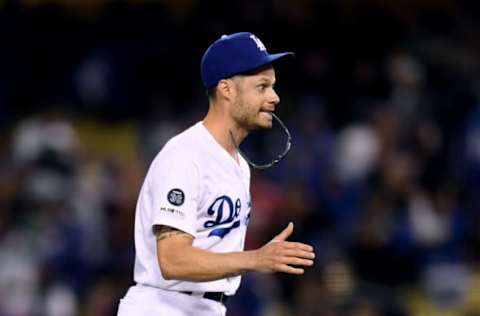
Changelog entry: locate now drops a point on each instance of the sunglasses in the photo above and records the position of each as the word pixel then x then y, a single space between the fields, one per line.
pixel 288 145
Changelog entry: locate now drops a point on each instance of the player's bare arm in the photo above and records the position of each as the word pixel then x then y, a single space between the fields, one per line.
pixel 179 260
pixel 194 264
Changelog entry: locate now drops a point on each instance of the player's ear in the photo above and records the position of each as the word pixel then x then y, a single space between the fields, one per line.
pixel 226 88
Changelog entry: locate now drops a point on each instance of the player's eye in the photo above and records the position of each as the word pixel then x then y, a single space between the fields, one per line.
pixel 262 87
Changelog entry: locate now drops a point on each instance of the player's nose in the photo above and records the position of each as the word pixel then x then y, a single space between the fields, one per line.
pixel 274 98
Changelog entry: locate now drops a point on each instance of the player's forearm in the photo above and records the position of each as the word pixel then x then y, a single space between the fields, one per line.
pixel 179 260
pixel 199 265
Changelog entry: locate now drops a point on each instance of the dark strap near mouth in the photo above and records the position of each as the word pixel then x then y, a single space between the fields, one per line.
pixel 215 296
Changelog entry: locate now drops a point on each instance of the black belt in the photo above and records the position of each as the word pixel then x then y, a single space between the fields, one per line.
pixel 216 296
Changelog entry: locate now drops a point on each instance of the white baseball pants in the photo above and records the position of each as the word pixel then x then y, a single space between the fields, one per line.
pixel 149 301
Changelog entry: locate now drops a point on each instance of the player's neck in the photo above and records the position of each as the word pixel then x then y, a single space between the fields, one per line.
pixel 223 129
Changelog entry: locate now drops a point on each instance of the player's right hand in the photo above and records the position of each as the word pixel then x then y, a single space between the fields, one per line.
pixel 280 255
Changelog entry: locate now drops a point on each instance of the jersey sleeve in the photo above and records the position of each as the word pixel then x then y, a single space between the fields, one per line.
pixel 174 186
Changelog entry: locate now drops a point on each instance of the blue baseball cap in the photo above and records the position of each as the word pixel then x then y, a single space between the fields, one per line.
pixel 234 54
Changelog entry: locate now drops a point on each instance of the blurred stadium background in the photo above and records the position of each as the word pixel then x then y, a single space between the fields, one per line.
pixel 383 179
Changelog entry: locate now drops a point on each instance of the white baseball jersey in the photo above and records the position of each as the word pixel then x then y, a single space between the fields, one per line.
pixel 193 185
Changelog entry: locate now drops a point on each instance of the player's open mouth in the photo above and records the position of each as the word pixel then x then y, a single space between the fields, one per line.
pixel 266 113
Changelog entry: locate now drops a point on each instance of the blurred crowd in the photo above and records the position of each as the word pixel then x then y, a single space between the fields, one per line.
pixel 383 179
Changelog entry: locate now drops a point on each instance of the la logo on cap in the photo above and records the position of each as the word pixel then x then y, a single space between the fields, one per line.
pixel 258 42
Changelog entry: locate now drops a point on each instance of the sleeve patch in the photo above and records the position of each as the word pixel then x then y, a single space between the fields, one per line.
pixel 176 197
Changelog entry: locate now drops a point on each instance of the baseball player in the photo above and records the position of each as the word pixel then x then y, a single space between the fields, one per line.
pixel 194 206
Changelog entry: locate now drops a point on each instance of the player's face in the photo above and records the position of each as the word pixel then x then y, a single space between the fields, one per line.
pixel 255 99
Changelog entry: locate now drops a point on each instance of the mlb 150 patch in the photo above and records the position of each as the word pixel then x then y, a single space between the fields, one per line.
pixel 176 197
